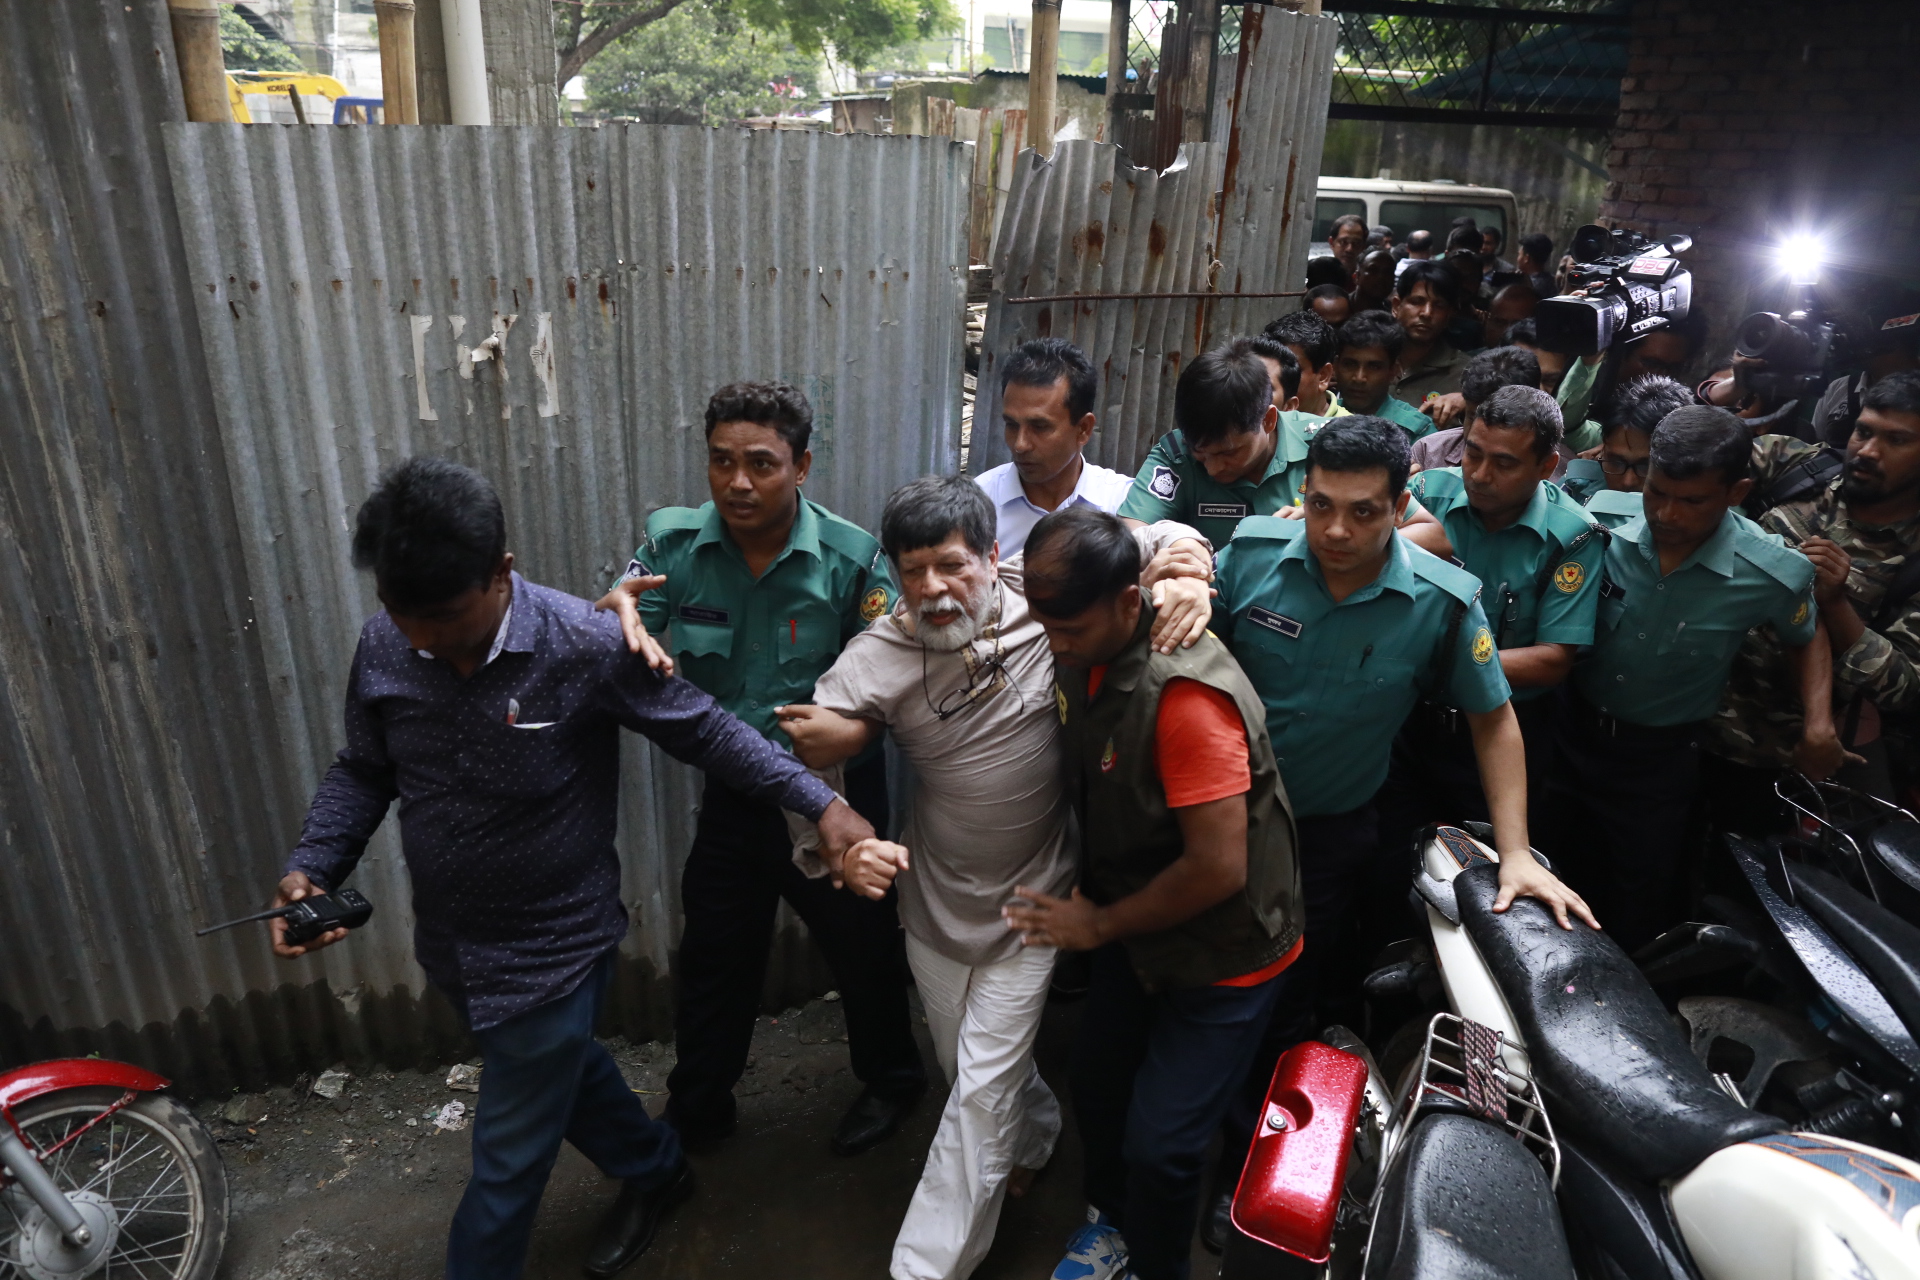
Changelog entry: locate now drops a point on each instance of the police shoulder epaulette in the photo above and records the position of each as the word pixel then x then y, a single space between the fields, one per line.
pixel 1446 575
pixel 1569 520
pixel 670 520
pixel 846 537
pixel 1272 527
pixel 1615 502
pixel 1174 443
pixel 1770 553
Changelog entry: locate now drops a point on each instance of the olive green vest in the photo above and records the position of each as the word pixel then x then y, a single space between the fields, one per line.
pixel 1129 835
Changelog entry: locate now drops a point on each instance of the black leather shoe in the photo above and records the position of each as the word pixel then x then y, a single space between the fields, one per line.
pixel 870 1121
pixel 699 1135
pixel 631 1224
pixel 1217 1223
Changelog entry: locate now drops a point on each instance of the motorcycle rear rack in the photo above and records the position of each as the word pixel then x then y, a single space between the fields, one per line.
pixel 1834 818
pixel 1493 1081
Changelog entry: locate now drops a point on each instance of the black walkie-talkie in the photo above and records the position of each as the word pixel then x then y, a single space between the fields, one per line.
pixel 308 918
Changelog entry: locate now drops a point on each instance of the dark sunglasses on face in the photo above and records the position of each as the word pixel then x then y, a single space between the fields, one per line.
pixel 1617 466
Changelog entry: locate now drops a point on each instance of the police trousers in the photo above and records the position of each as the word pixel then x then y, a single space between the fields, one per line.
pixel 740 869
pixel 1622 827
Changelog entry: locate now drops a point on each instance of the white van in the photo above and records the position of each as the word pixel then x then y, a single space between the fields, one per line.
pixel 1411 206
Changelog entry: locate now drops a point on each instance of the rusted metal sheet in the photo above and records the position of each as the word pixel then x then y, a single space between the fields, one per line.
pixel 1231 215
pixel 216 339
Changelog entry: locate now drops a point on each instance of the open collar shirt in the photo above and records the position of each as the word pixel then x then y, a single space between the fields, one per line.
pixel 1015 514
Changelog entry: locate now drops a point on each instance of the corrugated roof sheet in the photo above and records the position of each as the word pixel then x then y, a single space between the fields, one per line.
pixel 184 611
pixel 1230 215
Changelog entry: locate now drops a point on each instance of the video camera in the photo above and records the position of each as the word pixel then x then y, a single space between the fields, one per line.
pixel 1630 287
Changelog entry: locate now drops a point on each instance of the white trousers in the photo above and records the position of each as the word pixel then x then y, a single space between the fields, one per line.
pixel 999 1114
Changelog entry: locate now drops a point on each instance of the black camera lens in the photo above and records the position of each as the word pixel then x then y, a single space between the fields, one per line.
pixel 1765 336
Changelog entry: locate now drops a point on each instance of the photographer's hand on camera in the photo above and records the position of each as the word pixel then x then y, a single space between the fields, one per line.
pixel 293 887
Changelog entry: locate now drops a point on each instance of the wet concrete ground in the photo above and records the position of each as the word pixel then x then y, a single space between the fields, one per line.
pixel 332 1190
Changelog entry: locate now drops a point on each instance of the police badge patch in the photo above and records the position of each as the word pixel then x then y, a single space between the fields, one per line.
pixel 1800 614
pixel 1060 702
pixel 874 604
pixel 1569 576
pixel 1482 647
pixel 1164 484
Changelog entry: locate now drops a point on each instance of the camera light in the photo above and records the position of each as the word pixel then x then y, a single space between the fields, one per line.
pixel 1799 257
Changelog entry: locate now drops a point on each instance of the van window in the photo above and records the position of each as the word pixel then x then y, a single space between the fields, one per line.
pixel 1436 216
pixel 1327 208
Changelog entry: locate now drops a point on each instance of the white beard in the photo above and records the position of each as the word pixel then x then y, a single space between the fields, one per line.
pixel 955 630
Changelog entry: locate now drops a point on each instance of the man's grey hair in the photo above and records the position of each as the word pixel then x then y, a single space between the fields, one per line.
pixel 926 512
pixel 1524 407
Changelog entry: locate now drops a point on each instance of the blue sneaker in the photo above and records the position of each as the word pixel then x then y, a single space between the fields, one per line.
pixel 1096 1252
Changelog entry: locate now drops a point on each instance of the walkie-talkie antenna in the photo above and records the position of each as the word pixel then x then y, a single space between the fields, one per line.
pixel 274 914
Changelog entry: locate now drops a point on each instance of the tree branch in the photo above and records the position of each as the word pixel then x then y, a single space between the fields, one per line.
pixel 606 33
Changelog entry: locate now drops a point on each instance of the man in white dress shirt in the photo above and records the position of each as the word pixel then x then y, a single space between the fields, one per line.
pixel 1047 389
pixel 962 675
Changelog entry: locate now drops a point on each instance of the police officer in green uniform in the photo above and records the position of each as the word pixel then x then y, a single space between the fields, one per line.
pixel 1538 558
pixel 1343 625
pixel 1684 583
pixel 757 591
pixel 1236 451
pixel 1231 454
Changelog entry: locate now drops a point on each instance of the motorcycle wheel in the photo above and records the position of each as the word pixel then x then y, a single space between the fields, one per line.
pixel 151 1167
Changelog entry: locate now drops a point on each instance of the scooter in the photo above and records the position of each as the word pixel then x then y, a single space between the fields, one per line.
pixel 102 1173
pixel 1659 1169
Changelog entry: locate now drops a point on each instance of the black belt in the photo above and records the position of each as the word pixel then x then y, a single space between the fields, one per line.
pixel 1588 716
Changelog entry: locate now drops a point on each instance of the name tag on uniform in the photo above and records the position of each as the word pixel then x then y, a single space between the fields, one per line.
pixel 1611 590
pixel 1227 510
pixel 1274 622
pixel 1456 562
pixel 700 613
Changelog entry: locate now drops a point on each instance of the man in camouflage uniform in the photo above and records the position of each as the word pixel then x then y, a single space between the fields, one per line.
pixel 1861 529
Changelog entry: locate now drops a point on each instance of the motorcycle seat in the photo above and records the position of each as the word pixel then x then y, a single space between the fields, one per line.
pixel 1895 847
pixel 1466 1199
pixel 1617 1071
pixel 1886 946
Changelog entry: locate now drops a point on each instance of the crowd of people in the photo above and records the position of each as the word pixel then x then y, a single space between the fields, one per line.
pixel 1172 734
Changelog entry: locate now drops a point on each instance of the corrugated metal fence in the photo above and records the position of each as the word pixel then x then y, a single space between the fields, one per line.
pixel 1232 215
pixel 180 614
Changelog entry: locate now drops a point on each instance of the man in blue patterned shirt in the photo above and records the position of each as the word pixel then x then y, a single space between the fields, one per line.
pixel 491 709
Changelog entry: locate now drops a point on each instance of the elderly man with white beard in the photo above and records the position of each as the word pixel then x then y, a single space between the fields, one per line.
pixel 961 673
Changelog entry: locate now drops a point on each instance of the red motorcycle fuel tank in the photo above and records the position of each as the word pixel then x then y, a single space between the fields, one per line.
pixel 1290 1185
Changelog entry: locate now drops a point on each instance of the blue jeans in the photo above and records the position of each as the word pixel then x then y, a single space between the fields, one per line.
pixel 546 1078
pixel 1151 1081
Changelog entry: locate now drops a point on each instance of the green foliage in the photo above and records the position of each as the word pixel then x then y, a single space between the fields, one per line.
pixel 700 59
pixel 245 49
pixel 860 31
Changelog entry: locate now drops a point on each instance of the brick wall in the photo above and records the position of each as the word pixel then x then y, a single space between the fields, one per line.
pixel 1741 120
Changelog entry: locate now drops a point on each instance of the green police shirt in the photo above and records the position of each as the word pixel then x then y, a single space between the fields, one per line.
pixel 1339 679
pixel 1406 417
pixel 1539 576
pixel 1614 507
pixel 759 643
pixel 1172 485
pixel 1664 645
pixel 1582 479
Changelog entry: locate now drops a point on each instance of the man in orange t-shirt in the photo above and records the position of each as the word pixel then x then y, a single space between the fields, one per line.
pixel 1188 897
